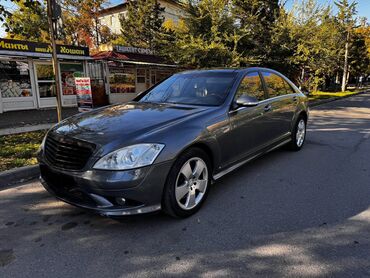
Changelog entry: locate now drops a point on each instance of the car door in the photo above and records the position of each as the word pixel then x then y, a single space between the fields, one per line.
pixel 281 102
pixel 248 123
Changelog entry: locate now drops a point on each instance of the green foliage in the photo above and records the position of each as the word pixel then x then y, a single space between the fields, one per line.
pixel 143 23
pixel 346 13
pixel 306 43
pixel 79 25
pixel 256 20
pixel 29 22
pixel 5 13
pixel 206 38
pixel 317 43
pixel 359 59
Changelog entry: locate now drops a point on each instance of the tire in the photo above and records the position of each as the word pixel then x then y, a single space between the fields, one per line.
pixel 297 133
pixel 181 181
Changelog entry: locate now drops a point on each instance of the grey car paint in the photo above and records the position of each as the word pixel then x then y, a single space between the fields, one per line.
pixel 230 135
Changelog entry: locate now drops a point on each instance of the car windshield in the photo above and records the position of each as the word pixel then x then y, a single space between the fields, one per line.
pixel 209 89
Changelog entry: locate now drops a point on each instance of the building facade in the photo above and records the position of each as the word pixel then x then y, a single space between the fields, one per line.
pixel 110 17
pixel 129 71
pixel 117 73
pixel 26 74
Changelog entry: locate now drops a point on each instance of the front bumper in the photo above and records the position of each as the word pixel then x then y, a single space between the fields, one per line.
pixel 102 191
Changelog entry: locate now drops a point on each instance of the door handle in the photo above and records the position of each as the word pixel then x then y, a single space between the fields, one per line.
pixel 267 108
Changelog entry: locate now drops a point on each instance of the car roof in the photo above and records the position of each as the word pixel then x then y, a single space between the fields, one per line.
pixel 226 70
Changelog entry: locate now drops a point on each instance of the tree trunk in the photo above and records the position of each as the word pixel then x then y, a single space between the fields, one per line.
pixel 302 78
pixel 97 31
pixel 348 72
pixel 345 68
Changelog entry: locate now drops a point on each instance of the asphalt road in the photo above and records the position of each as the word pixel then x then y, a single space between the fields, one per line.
pixel 304 214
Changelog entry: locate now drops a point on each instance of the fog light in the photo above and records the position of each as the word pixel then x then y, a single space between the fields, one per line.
pixel 121 201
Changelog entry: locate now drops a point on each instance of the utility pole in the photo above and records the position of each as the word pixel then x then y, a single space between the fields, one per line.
pixel 52 19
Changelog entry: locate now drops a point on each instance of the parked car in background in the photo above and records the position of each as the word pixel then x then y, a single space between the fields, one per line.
pixel 164 149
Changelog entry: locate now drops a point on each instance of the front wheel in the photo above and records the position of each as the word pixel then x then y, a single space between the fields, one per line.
pixel 298 134
pixel 187 184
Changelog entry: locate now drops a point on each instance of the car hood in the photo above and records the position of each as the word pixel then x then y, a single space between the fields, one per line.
pixel 125 121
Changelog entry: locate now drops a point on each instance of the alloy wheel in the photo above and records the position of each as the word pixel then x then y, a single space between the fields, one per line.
pixel 301 133
pixel 191 183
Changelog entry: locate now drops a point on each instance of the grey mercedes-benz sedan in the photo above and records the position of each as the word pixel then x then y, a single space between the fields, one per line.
pixel 164 149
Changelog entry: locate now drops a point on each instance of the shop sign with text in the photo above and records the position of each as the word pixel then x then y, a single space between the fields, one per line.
pixel 37 47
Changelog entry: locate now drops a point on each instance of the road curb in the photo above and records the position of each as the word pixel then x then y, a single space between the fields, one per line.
pixel 22 129
pixel 17 175
pixel 324 101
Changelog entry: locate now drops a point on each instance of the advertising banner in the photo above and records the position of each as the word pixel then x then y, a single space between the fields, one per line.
pixel 84 94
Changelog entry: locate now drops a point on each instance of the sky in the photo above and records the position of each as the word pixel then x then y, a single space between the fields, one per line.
pixel 363 8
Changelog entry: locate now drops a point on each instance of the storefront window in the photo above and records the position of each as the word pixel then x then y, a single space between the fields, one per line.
pixel 15 79
pixel 140 76
pixel 45 80
pixel 69 72
pixel 121 80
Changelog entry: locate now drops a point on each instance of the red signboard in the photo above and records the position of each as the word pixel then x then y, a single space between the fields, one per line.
pixel 84 95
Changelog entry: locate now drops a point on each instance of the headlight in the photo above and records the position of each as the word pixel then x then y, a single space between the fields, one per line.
pixel 131 157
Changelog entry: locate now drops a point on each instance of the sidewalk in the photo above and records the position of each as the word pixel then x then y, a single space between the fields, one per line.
pixel 29 120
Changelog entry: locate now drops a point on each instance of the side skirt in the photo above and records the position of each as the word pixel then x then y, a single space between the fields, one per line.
pixel 239 164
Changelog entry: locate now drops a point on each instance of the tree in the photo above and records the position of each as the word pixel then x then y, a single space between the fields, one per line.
pixel 79 24
pixel 5 13
pixel 256 19
pixel 207 36
pixel 345 16
pixel 28 22
pixel 142 24
pixel 315 42
pixel 358 58
pixel 364 32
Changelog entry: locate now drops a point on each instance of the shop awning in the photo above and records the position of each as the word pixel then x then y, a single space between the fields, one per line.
pixel 16 54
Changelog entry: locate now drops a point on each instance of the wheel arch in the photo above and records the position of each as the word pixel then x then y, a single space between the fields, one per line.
pixel 303 114
pixel 206 148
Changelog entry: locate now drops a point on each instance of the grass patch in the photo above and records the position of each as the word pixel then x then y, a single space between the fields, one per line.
pixel 334 94
pixel 326 95
pixel 19 149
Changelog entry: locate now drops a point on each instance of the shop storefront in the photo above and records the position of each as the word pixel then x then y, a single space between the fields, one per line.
pixel 131 70
pixel 26 74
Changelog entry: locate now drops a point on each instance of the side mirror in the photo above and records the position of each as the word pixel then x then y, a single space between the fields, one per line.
pixel 247 101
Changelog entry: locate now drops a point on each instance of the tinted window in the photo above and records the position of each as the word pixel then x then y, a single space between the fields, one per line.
pixel 192 88
pixel 251 85
pixel 289 88
pixel 276 86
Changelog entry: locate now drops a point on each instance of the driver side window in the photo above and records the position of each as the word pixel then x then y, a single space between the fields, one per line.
pixel 251 85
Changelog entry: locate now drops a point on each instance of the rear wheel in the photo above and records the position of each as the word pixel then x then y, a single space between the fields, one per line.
pixel 187 184
pixel 298 134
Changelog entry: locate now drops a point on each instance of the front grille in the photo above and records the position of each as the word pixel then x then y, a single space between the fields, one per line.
pixel 67 153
